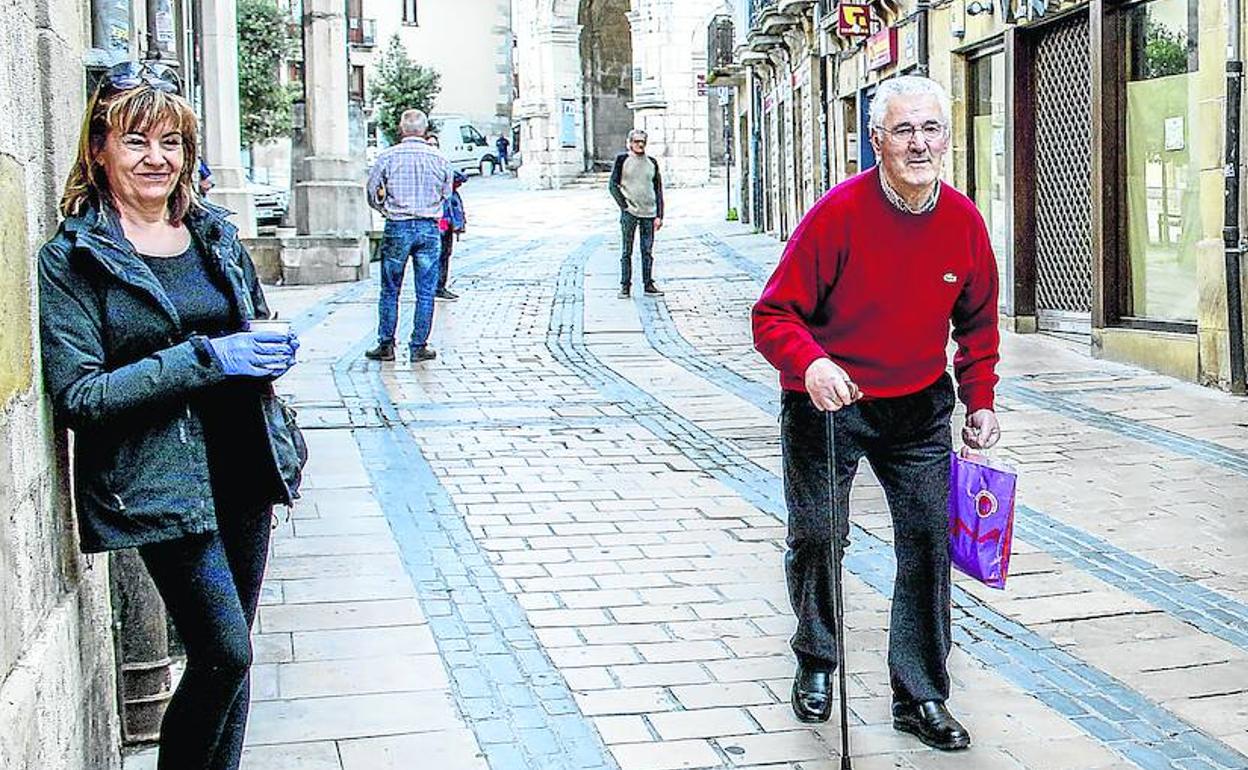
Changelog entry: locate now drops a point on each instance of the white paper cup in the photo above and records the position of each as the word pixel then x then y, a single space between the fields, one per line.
pixel 275 325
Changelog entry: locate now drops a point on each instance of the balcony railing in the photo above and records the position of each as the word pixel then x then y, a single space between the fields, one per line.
pixel 361 32
pixel 757 7
pixel 719 43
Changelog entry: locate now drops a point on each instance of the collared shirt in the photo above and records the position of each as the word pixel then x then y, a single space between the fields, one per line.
pixel 410 180
pixel 895 198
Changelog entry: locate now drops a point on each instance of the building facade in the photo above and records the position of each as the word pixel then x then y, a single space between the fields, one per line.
pixel 588 71
pixel 1092 135
pixel 469 43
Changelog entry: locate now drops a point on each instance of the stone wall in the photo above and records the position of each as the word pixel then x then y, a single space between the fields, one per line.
pixel 57 701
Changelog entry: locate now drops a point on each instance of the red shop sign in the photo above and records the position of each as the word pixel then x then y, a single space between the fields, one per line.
pixel 853 19
pixel 882 48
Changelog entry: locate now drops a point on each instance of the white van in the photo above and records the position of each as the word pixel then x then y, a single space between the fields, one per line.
pixel 466 147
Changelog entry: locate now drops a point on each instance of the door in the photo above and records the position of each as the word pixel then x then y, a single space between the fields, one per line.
pixel 1063 166
pixel 866 153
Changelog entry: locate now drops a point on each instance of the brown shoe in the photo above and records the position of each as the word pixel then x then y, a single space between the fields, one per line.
pixel 383 352
pixel 423 353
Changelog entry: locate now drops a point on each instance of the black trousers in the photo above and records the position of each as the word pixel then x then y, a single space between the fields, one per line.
pixel 210 584
pixel 629 225
pixel 444 259
pixel 907 441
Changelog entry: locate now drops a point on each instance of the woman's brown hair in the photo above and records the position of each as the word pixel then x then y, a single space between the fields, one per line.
pixel 133 109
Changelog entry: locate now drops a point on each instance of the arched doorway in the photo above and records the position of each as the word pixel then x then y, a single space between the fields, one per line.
pixel 606 48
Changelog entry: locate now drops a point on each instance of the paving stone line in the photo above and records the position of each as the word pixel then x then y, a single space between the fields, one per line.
pixel 1202 450
pixel 1101 705
pixel 1213 613
pixel 512 696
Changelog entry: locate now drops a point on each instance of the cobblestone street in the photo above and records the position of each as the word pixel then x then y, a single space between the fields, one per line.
pixel 559 544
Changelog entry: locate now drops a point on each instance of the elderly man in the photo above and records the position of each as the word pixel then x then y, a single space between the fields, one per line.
pixel 637 187
pixel 408 185
pixel 856 318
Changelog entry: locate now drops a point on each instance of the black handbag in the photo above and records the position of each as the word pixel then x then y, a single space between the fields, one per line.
pixel 290 417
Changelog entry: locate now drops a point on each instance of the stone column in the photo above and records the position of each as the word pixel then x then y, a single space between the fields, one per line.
pixel 669 47
pixel 330 200
pixel 219 72
pixel 550 99
pixel 331 213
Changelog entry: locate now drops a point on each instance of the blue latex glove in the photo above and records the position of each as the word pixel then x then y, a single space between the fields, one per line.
pixel 254 354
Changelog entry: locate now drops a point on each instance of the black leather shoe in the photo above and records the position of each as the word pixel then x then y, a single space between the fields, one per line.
pixel 446 294
pixel 932 723
pixel 812 694
pixel 653 291
pixel 383 352
pixel 625 292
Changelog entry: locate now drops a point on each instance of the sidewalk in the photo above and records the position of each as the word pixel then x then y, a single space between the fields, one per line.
pixel 559 545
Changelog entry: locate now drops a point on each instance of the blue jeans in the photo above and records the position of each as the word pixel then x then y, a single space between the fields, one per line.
pixel 629 225
pixel 211 586
pixel 420 240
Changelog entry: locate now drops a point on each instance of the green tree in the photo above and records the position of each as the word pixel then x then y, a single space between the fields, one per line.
pixel 401 84
pixel 263 43
pixel 1165 51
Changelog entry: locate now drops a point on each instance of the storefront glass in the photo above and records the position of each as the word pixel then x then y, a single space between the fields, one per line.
pixel 1162 181
pixel 987 155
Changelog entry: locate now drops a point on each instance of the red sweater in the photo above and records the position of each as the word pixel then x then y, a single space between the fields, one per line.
pixel 875 290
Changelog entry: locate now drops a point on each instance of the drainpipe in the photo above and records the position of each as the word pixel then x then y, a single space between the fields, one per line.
pixel 1231 231
pixel 923 10
pixel 825 116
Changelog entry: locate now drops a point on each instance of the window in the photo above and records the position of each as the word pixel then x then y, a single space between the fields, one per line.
pixel 1162 183
pixel 409 11
pixel 986 159
pixel 357 83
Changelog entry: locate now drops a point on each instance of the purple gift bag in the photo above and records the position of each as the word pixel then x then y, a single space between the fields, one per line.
pixel 981 517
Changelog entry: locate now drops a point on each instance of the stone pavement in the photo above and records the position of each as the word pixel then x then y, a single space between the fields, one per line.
pixel 559 544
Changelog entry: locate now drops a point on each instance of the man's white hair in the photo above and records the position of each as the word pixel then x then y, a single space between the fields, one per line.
pixel 907 85
pixel 413 123
pixel 637 133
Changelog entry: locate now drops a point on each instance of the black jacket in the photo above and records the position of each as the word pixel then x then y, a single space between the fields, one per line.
pixel 121 374
pixel 617 172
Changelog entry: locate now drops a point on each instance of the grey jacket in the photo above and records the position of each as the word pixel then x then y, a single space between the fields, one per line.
pixel 121 372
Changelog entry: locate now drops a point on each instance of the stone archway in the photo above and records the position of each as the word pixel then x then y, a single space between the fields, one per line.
pixel 606 49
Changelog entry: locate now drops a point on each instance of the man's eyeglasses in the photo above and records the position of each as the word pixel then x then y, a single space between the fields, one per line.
pixel 931 131
pixel 131 74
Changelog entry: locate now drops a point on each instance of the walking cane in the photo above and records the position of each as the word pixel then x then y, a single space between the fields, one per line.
pixel 838 608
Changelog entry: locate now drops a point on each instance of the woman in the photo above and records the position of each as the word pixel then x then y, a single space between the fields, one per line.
pixel 451 224
pixel 180 446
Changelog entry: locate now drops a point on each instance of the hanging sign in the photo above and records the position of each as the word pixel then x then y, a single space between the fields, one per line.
pixel 567 124
pixel 853 19
pixel 881 48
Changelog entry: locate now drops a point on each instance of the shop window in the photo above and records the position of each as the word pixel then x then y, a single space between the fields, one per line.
pixel 409 11
pixel 986 101
pixel 1162 178
pixel 849 124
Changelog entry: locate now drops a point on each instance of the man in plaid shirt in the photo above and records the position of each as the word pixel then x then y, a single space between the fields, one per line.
pixel 408 184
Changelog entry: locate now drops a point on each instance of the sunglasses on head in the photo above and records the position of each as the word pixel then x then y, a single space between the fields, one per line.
pixel 131 74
